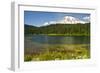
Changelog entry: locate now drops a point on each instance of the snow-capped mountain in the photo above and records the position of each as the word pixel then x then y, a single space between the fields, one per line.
pixel 66 20
pixel 71 20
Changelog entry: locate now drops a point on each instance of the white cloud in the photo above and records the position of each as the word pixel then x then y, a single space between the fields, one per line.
pixel 46 23
pixel 49 23
pixel 52 22
pixel 87 18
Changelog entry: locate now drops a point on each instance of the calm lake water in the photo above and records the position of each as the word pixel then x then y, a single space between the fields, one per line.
pixel 44 39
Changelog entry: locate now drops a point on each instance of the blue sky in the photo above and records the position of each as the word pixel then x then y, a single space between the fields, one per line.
pixel 37 18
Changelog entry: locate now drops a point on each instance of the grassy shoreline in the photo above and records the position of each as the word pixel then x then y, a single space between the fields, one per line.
pixel 68 35
pixel 61 52
pixel 59 34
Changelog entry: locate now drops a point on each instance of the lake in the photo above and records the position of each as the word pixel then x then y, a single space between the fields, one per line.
pixel 45 39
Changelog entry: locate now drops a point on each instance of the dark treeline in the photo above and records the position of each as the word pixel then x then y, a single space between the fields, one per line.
pixel 66 29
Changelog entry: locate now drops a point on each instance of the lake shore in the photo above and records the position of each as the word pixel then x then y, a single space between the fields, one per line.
pixel 58 34
pixel 36 50
pixel 61 52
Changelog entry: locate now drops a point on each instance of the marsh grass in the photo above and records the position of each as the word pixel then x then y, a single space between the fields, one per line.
pixel 61 52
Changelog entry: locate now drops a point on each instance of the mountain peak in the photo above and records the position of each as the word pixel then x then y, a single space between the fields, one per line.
pixel 72 20
pixel 66 20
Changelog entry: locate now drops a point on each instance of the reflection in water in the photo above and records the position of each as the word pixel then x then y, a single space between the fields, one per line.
pixel 43 39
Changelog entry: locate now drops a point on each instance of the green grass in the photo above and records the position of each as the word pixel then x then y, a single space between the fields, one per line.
pixel 61 34
pixel 68 34
pixel 61 52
